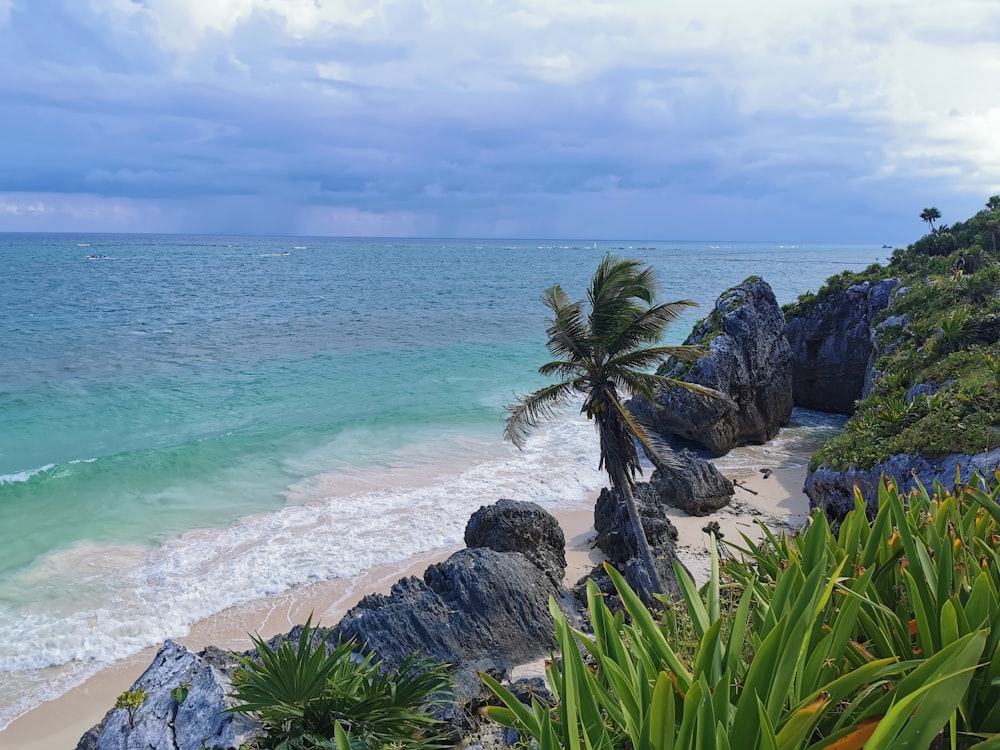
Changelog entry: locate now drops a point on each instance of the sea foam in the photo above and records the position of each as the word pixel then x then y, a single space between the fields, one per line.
pixel 129 598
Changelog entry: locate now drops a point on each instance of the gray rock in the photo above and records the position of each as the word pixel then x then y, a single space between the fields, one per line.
pixel 832 347
pixel 480 610
pixel 163 724
pixel 748 360
pixel 514 526
pixel 694 485
pixel 833 491
pixel 616 538
pixel 924 389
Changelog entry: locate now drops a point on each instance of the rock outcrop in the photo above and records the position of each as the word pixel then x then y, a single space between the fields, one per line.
pixel 616 538
pixel 832 347
pixel 484 609
pixel 479 611
pixel 512 526
pixel 191 719
pixel 694 485
pixel 748 361
pixel 833 490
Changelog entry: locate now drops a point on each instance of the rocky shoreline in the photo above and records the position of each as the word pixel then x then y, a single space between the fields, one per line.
pixel 484 609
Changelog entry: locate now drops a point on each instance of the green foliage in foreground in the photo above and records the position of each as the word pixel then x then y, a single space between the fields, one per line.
pixel 882 635
pixel 307 697
pixel 928 571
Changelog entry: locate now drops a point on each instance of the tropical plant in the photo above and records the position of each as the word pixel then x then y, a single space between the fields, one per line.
pixel 954 330
pixel 925 573
pixel 773 666
pixel 604 353
pixel 131 701
pixel 930 215
pixel 305 696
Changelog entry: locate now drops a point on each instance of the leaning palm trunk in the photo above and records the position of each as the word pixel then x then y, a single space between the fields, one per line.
pixel 653 584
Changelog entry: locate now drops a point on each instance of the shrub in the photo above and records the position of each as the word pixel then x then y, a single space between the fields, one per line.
pixel 306 696
pixel 774 665
pixel 925 573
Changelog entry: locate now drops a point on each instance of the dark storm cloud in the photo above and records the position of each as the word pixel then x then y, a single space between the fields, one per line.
pixel 214 121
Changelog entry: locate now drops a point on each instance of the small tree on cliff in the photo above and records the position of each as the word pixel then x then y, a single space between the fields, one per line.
pixel 930 215
pixel 604 354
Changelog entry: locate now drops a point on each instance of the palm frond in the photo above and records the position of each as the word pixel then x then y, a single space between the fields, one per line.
pixel 647 384
pixel 647 325
pixel 568 334
pixel 654 355
pixel 565 369
pixel 532 408
pixel 615 290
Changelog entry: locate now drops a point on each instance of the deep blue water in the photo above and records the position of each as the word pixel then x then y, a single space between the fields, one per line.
pixel 254 413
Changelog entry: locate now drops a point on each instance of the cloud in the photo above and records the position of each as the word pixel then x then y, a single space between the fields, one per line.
pixel 441 116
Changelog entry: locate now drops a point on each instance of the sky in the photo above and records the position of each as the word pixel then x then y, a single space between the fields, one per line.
pixel 809 120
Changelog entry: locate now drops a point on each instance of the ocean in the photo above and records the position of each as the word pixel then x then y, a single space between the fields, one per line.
pixel 193 423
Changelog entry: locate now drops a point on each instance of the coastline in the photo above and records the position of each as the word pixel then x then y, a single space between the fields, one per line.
pixel 58 724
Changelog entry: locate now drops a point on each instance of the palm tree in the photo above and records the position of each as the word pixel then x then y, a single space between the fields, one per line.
pixel 930 215
pixel 604 354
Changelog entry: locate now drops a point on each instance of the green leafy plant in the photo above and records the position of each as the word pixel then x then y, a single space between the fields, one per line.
pixel 775 667
pixel 308 697
pixel 924 574
pixel 131 700
pixel 180 693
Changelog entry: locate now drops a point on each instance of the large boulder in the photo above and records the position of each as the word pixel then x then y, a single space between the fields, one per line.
pixel 831 344
pixel 479 611
pixel 485 609
pixel 515 526
pixel 162 722
pixel 748 361
pixel 692 484
pixel 833 490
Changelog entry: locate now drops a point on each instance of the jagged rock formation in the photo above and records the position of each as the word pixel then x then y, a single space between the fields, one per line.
pixel 833 490
pixel 512 526
pixel 484 609
pixel 479 611
pixel 161 721
pixel 693 485
pixel 832 347
pixel 748 360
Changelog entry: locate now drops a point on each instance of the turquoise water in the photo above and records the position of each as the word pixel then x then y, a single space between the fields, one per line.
pixel 190 423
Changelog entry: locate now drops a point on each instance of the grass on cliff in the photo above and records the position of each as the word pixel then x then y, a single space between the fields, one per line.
pixel 941 334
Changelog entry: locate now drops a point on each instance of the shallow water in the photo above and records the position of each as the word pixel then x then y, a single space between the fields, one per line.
pixel 191 423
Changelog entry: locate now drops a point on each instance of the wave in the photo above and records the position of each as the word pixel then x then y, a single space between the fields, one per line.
pixel 125 597
pixel 24 476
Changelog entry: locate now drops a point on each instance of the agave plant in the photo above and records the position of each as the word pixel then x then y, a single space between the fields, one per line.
pixel 924 574
pixel 777 668
pixel 307 697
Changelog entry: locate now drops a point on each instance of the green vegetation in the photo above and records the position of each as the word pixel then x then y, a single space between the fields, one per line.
pixel 949 336
pixel 600 354
pixel 308 698
pixel 131 700
pixel 884 634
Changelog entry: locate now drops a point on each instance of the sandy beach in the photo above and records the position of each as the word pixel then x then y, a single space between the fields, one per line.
pixel 776 500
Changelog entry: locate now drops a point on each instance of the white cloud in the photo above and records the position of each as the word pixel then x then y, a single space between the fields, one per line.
pixel 76 212
pixel 21 207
